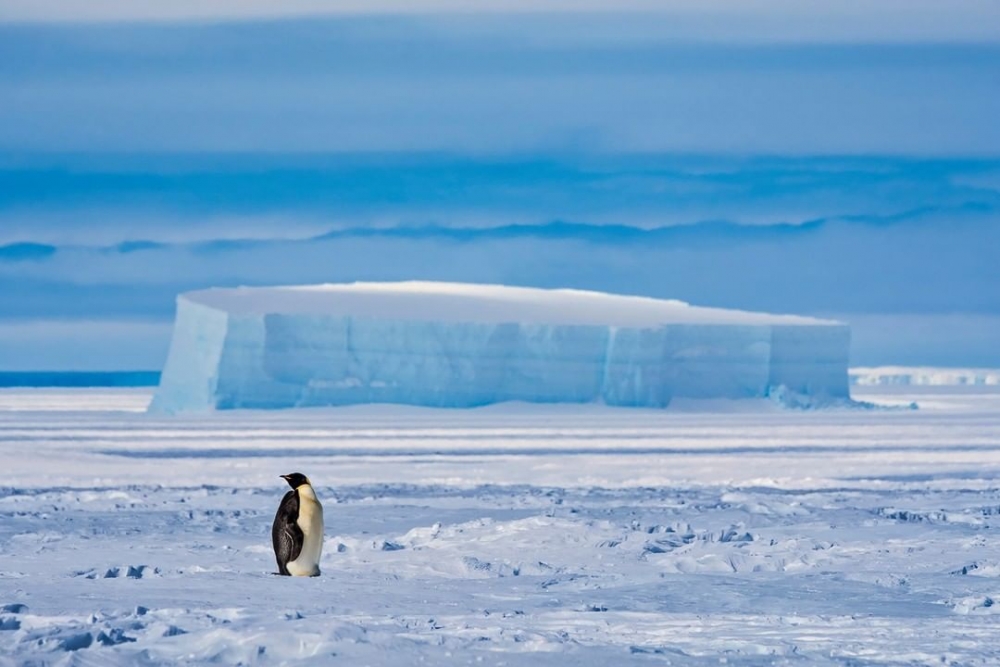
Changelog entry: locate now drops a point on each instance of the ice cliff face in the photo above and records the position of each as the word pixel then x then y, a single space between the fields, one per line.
pixel 450 345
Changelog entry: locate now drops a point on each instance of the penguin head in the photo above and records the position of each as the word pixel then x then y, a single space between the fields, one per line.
pixel 295 479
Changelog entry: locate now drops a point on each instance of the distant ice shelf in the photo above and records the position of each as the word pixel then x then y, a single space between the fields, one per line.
pixel 460 345
pixel 924 376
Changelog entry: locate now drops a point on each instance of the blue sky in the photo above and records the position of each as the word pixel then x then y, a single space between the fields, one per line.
pixel 841 159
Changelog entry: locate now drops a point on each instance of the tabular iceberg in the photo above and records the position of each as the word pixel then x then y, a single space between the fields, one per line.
pixel 459 345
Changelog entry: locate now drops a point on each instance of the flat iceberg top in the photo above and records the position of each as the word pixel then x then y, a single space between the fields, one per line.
pixel 462 302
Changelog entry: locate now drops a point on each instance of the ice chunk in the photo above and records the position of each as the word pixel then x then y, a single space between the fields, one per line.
pixel 455 345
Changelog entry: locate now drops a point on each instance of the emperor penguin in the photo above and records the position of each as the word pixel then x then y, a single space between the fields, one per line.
pixel 297 532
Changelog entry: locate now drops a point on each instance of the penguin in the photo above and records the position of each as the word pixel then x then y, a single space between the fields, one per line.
pixel 297 532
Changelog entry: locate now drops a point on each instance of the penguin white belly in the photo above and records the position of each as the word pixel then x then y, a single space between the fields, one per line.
pixel 311 522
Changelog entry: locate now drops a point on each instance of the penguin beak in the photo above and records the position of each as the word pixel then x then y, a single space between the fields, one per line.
pixel 284 477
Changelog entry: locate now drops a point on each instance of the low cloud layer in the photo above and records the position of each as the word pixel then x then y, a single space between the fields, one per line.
pixel 470 84
pixel 929 266
pixel 105 200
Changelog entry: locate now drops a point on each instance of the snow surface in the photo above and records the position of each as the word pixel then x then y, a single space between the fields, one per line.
pixel 510 534
pixel 460 345
pixel 486 304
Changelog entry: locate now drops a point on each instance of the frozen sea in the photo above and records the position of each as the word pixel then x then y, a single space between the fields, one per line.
pixel 706 534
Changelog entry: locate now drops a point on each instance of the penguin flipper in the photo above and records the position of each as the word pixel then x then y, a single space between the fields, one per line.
pixel 286 536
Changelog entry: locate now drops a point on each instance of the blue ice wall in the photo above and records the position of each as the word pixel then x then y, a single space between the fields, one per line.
pixel 268 361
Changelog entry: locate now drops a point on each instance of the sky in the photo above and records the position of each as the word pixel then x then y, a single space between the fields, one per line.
pixel 839 159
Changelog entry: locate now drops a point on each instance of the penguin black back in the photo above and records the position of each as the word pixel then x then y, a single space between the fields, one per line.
pixel 286 535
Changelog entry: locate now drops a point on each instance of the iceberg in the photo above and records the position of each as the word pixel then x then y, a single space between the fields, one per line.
pixel 462 345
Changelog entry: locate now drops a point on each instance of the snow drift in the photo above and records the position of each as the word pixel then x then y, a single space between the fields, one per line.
pixel 458 345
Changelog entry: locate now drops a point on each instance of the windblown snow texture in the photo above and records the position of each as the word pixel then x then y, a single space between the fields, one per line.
pixel 454 345
pixel 513 534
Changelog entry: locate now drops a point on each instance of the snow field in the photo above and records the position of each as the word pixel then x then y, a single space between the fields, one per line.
pixel 515 534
